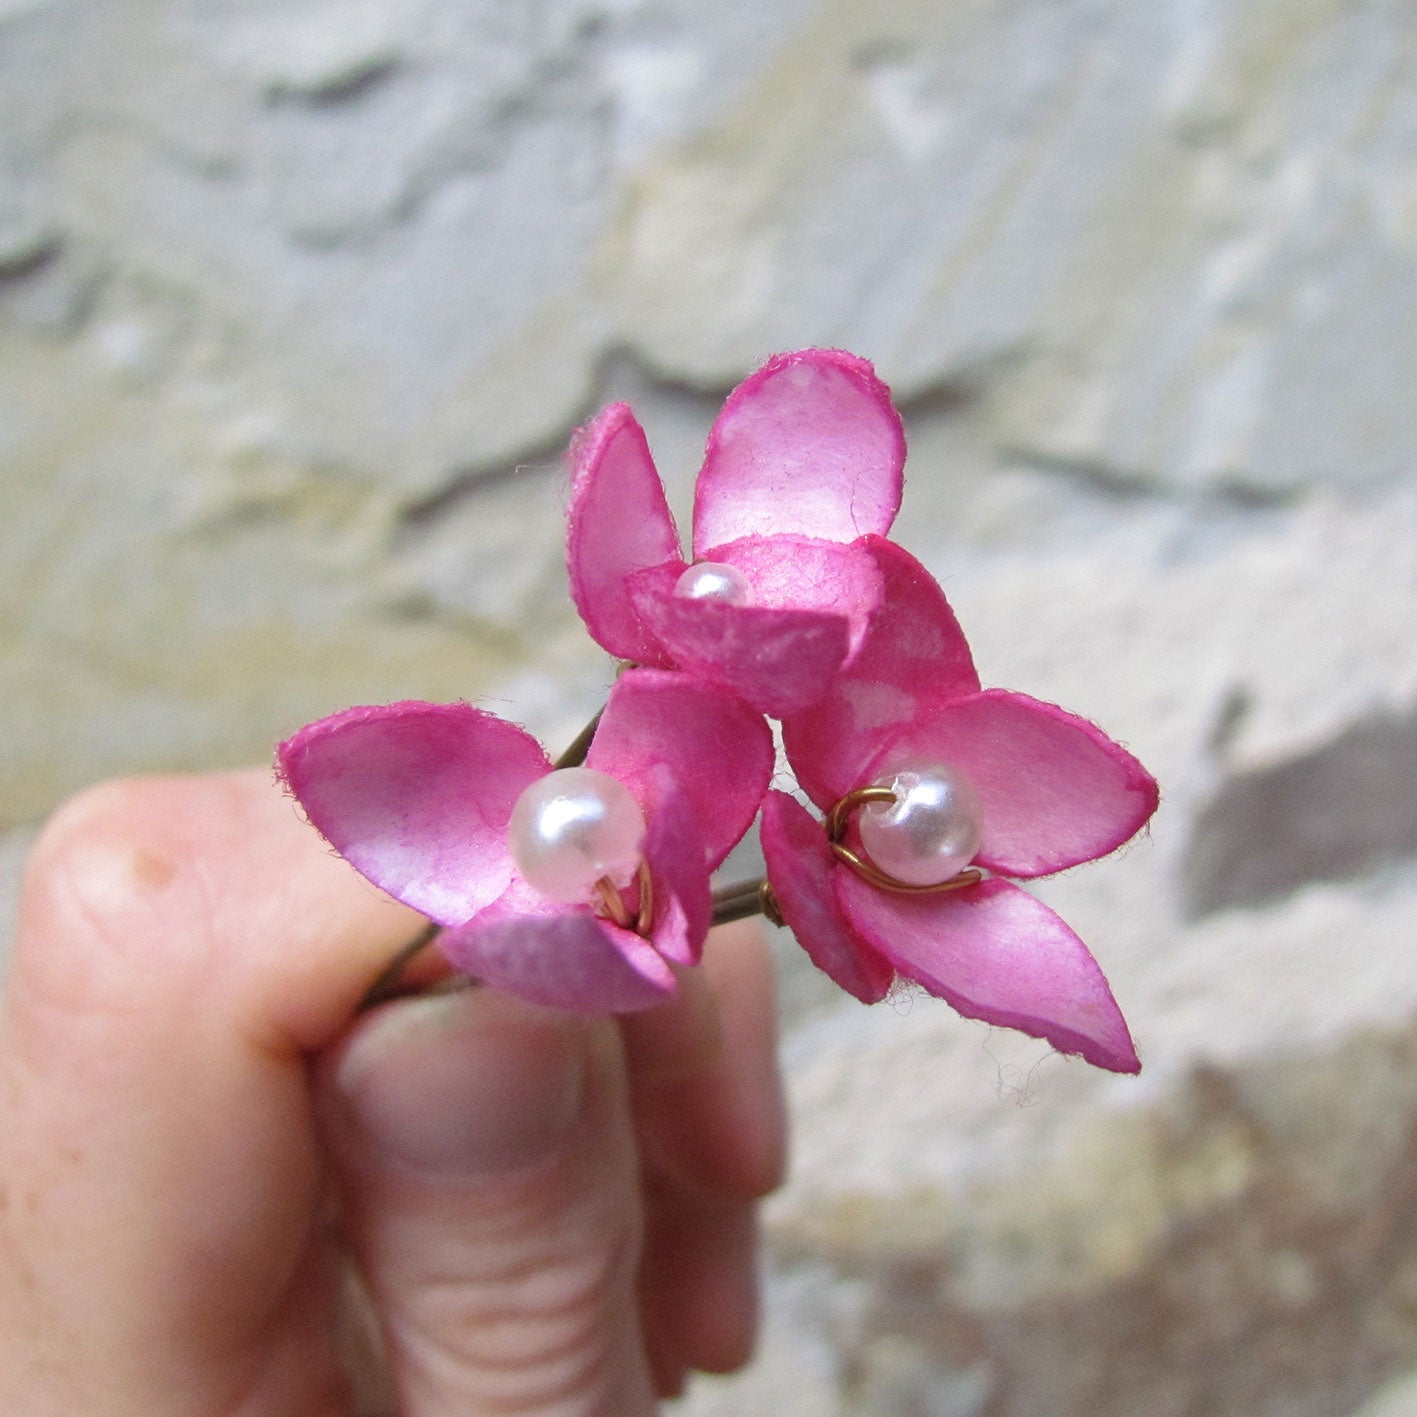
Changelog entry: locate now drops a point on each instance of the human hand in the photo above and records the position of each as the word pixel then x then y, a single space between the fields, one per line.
pixel 200 1140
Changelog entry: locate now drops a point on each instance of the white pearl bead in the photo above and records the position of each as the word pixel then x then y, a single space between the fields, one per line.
pixel 713 580
pixel 572 827
pixel 930 832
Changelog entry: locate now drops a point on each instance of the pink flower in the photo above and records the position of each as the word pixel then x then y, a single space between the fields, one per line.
pixel 419 799
pixel 805 458
pixel 1042 790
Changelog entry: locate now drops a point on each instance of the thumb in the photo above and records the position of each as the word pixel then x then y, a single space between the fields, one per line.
pixel 490 1189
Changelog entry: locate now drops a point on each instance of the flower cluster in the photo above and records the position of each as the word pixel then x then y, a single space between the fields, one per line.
pixel 581 885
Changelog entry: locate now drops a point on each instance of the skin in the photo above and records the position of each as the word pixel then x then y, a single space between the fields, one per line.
pixel 224 1193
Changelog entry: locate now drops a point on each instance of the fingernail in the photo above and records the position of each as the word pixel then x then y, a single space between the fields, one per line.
pixel 471 1084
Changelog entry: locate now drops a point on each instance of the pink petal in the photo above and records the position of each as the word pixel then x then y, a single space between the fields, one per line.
pixel 619 523
pixel 811 443
pixel 778 661
pixel 559 955
pixel 994 953
pixel 1053 788
pixel 914 658
pixel 674 853
pixel 416 797
pixel 717 750
pixel 804 573
pixel 801 868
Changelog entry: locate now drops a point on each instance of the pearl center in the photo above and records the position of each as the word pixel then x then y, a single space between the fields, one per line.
pixel 714 580
pixel 572 828
pixel 932 830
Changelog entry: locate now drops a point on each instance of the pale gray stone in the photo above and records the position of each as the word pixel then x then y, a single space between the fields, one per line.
pixel 1179 232
pixel 1397 1399
pixel 367 208
pixel 1333 813
pixel 14 848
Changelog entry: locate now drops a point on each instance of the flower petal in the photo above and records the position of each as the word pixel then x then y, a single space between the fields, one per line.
pixel 914 658
pixel 717 750
pixel 674 854
pixel 777 661
pixel 801 868
pixel 619 523
pixel 1053 788
pixel 995 953
pixel 811 443
pixel 805 573
pixel 559 955
pixel 416 797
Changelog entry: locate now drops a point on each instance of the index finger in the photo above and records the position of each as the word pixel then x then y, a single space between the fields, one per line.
pixel 182 943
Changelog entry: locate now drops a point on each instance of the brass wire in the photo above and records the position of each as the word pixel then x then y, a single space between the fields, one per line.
pixel 618 912
pixel 836 824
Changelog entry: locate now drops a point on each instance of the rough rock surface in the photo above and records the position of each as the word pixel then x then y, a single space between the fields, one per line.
pixel 299 300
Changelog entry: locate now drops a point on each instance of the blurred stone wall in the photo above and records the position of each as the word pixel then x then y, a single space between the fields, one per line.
pixel 299 300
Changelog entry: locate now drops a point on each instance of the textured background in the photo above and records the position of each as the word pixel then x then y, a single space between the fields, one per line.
pixel 299 300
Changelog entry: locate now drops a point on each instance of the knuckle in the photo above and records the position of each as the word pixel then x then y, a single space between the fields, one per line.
pixel 95 810
pixel 104 875
pixel 536 1337
pixel 101 851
